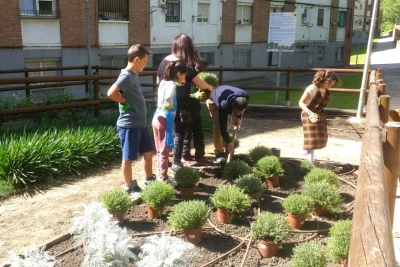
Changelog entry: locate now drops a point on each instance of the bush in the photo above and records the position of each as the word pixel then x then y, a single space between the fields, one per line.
pixel 339 242
pixel 36 257
pixel 234 169
pixel 231 198
pixel 270 226
pixel 298 205
pixel 187 176
pixel 188 215
pixel 259 152
pixel 116 200
pixel 268 166
pixel 321 175
pixel 308 254
pixel 325 195
pixel 305 167
pixel 250 184
pixel 158 194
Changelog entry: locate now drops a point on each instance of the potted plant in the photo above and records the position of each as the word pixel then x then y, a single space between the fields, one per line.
pixel 189 216
pixel 157 195
pixel 209 78
pixel 308 254
pixel 339 242
pixel 117 201
pixel 305 166
pixel 326 197
pixel 187 178
pixel 319 175
pixel 234 169
pixel 270 230
pixel 236 142
pixel 259 152
pixel 250 184
pixel 229 199
pixel 298 207
pixel 269 167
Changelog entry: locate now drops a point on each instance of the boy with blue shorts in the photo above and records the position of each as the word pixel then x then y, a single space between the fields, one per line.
pixel 131 124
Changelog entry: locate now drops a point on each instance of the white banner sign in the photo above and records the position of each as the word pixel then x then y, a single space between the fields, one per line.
pixel 281 34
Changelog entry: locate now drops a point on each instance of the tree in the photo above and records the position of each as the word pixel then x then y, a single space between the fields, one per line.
pixel 390 10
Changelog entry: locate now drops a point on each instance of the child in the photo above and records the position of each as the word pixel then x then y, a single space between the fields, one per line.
pixel 131 124
pixel 163 120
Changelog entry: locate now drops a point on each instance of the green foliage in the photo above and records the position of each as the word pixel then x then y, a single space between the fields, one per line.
pixel 268 166
pixel 158 194
pixel 319 175
pixel 308 254
pixel 259 152
pixel 390 10
pixel 271 226
pixel 325 195
pixel 116 200
pixel 188 215
pixel 187 176
pixel 305 167
pixel 339 242
pixel 387 26
pixel 5 188
pixel 298 205
pixel 209 78
pixel 234 169
pixel 250 184
pixel 206 120
pixel 231 198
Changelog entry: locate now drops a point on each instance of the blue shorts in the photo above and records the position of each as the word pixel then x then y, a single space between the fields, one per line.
pixel 135 141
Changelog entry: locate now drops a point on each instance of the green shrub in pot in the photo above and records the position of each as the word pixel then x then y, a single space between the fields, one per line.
pixel 339 241
pixel 268 166
pixel 305 167
pixel 298 205
pixel 250 183
pixel 259 152
pixel 324 194
pixel 319 175
pixel 271 227
pixel 116 200
pixel 158 194
pixel 234 169
pixel 209 78
pixel 231 198
pixel 187 176
pixel 188 215
pixel 309 254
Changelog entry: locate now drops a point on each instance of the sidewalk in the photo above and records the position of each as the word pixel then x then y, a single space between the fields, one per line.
pixel 387 58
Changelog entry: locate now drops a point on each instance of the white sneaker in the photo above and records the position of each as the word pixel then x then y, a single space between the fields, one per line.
pixel 170 180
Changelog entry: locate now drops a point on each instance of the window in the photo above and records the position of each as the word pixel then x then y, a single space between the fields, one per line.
pixel 273 58
pixel 208 56
pixel 242 58
pixel 38 8
pixel 320 19
pixel 113 61
pixel 341 18
pixel 320 52
pixel 339 53
pixel 302 48
pixel 305 16
pixel 173 11
pixel 243 14
pixel 157 58
pixel 114 10
pixel 36 63
pixel 202 13
pixel 275 9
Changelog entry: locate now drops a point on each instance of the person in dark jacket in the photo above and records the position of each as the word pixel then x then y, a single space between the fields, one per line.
pixel 224 101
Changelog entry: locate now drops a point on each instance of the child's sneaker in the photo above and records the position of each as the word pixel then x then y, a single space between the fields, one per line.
pixel 176 167
pixel 149 180
pixel 204 161
pixel 170 180
pixel 220 157
pixel 133 190
pixel 188 160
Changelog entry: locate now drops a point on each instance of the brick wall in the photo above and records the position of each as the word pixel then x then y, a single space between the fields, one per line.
pixel 139 22
pixel 10 26
pixel 228 22
pixel 348 34
pixel 333 18
pixel 260 21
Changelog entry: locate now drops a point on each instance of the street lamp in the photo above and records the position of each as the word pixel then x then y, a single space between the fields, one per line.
pixel 358 33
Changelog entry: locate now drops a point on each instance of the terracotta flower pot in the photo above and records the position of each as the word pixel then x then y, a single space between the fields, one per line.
pixel 318 210
pixel 344 262
pixel 272 181
pixel 267 249
pixel 224 216
pixel 153 213
pixel 296 222
pixel 187 193
pixel 193 236
pixel 119 216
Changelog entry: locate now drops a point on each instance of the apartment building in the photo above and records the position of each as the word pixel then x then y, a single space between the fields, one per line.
pixel 229 33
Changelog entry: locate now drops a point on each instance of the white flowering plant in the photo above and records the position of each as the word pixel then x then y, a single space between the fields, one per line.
pixel 36 257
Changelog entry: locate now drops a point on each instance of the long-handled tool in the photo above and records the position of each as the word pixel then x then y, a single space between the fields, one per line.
pixel 230 155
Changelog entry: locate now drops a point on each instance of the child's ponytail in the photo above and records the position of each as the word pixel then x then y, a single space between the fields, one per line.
pixel 172 69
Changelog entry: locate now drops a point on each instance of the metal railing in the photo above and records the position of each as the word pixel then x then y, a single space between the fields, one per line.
pixel 39 13
pixel 114 10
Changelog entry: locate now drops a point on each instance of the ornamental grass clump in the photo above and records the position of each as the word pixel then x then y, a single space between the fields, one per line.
pixel 116 200
pixel 209 78
pixel 259 152
pixel 268 166
pixel 250 183
pixel 188 215
pixel 158 194
pixel 339 241
pixel 187 176
pixel 270 227
pixel 298 205
pixel 320 175
pixel 231 198
pixel 308 254
pixel 305 167
pixel 234 169
pixel 325 195
pixel 36 257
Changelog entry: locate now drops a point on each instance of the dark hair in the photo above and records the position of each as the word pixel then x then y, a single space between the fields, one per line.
pixel 137 50
pixel 172 69
pixel 324 75
pixel 183 49
pixel 203 65
pixel 240 103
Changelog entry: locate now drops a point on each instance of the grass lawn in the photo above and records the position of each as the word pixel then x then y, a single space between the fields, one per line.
pixel 361 52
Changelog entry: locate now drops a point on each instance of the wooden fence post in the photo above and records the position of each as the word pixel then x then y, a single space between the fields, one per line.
pixel 382 89
pixel 27 91
pixel 384 107
pixel 86 82
pixel 155 82
pixel 288 84
pixel 96 95
pixel 221 75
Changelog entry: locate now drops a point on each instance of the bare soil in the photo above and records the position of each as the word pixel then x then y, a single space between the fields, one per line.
pixel 39 216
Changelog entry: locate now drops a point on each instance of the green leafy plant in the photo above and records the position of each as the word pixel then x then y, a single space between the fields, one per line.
pixel 308 254
pixel 270 226
pixel 209 78
pixel 325 195
pixel 158 194
pixel 236 142
pixel 339 242
pixel 116 200
pixel 268 166
pixel 187 176
pixel 234 169
pixel 298 205
pixel 231 198
pixel 259 152
pixel 188 215
pixel 305 167
pixel 250 184
pixel 320 175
